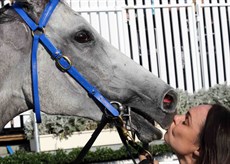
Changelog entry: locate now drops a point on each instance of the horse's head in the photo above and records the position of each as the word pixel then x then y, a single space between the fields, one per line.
pixel 116 76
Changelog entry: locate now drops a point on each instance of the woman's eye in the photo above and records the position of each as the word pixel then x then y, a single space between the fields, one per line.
pixel 83 36
pixel 184 123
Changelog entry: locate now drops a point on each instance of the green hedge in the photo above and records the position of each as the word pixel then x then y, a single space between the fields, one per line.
pixel 219 94
pixel 62 157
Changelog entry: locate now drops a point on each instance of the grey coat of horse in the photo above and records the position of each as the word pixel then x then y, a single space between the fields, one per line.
pixel 116 76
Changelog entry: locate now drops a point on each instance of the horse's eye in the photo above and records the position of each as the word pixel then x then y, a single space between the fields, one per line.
pixel 83 37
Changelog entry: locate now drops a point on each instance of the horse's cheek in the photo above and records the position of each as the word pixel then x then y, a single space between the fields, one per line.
pixel 19 30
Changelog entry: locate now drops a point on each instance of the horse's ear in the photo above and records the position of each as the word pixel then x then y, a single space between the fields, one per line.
pixel 34 8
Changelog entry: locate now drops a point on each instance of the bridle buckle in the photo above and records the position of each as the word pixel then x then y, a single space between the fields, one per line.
pixel 60 66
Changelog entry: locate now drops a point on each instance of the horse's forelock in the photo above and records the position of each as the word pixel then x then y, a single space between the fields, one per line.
pixel 5 17
pixel 39 2
pixel 8 16
pixel 34 8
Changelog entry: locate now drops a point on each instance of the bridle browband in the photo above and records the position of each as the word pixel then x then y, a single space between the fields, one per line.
pixel 110 113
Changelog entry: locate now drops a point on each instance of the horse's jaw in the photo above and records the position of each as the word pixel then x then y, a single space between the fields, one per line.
pixel 146 133
pixel 144 118
pixel 145 128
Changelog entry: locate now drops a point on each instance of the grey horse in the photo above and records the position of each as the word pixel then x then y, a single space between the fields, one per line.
pixel 117 77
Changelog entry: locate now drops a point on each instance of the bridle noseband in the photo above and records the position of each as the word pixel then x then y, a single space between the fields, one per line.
pixel 111 114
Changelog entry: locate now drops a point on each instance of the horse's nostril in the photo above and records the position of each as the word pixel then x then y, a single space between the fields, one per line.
pixel 169 101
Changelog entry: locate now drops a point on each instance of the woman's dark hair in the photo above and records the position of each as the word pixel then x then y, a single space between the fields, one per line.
pixel 215 137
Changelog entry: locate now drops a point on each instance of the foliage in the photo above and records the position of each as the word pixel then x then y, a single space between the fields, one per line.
pixel 219 94
pixel 161 149
pixel 63 157
pixel 61 126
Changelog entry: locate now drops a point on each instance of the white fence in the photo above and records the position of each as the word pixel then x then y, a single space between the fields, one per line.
pixel 185 44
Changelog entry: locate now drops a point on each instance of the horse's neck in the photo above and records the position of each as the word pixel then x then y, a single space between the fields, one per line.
pixel 15 46
pixel 14 85
pixel 12 90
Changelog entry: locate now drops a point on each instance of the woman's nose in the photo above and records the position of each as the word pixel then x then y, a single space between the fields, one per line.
pixel 178 119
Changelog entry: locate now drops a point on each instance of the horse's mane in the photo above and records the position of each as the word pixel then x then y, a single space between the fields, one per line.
pixel 5 17
pixel 27 5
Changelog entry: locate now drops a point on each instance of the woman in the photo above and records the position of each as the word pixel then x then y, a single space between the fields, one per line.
pixel 201 136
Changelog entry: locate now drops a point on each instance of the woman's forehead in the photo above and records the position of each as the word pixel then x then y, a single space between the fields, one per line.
pixel 199 113
pixel 201 108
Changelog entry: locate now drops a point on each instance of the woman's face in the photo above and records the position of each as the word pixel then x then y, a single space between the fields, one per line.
pixel 183 133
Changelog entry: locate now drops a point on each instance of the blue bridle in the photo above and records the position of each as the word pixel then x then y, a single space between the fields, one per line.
pixel 62 61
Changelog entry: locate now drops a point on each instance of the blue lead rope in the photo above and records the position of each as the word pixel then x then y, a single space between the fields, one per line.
pixel 56 54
